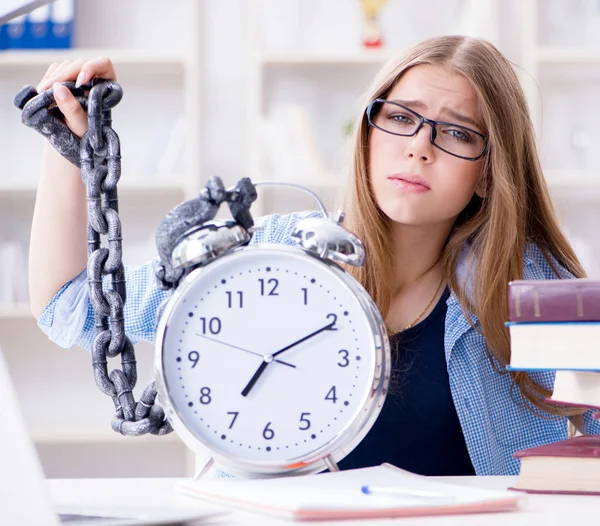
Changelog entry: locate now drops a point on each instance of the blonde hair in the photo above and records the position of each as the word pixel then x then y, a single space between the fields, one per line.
pixel 515 211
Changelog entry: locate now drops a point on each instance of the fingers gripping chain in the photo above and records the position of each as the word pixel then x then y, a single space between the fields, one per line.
pixel 40 113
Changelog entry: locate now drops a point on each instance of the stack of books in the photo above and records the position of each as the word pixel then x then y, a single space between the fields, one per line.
pixel 555 325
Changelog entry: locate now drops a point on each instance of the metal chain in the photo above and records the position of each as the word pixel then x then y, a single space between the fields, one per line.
pixel 194 212
pixel 98 155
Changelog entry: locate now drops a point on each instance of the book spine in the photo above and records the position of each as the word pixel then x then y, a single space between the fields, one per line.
pixel 556 300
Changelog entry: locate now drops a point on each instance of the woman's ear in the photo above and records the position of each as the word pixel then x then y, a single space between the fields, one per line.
pixel 481 188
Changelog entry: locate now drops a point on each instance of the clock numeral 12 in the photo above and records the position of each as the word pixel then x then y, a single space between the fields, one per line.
pixel 272 281
pixel 230 298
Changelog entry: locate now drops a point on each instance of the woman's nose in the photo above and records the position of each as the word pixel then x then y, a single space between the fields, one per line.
pixel 419 145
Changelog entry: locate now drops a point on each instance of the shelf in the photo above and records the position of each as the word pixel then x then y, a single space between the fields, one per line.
pixel 98 437
pixel 567 55
pixel 44 57
pixel 359 56
pixel 575 179
pixel 18 311
pixel 11 188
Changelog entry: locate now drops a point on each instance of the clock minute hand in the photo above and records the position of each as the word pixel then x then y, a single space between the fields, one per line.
pixel 269 357
pixel 327 327
pixel 241 349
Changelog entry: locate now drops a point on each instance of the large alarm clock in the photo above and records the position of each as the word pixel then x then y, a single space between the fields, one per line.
pixel 271 360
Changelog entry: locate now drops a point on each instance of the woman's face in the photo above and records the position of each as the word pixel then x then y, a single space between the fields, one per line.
pixel 414 182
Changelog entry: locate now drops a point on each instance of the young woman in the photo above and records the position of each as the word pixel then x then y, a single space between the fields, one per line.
pixel 448 196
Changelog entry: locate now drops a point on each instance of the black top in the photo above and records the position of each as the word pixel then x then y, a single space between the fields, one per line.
pixel 417 429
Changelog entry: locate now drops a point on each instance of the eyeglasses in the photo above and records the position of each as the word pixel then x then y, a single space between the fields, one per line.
pixel 454 139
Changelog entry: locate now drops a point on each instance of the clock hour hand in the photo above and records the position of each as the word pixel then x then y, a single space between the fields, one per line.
pixel 255 377
pixel 242 349
pixel 268 358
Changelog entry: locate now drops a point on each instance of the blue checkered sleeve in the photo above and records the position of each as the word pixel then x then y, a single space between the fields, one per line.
pixel 68 319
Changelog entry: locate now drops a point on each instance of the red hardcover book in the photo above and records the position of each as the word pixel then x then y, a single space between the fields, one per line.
pixel 570 466
pixel 554 300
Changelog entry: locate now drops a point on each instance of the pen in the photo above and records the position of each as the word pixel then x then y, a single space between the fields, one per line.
pixel 391 491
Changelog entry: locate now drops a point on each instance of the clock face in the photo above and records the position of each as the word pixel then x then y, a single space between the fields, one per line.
pixel 268 356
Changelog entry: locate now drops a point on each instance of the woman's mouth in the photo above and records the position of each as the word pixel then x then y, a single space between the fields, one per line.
pixel 411 183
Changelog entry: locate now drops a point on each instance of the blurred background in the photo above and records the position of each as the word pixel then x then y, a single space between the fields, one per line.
pixel 261 88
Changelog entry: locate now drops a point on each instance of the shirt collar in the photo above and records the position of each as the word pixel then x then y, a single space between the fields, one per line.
pixel 456 322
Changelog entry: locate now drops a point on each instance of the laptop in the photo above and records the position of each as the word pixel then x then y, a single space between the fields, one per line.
pixel 24 497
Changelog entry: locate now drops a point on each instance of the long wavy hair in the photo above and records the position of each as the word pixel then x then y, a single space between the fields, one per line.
pixel 516 209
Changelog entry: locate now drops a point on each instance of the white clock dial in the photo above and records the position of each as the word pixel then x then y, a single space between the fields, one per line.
pixel 268 356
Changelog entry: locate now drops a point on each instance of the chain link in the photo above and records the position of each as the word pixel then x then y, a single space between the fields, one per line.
pixel 98 154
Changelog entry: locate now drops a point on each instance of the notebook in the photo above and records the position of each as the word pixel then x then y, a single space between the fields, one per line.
pixel 23 494
pixel 379 491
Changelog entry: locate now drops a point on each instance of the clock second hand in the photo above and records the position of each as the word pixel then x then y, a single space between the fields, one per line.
pixel 268 358
pixel 242 349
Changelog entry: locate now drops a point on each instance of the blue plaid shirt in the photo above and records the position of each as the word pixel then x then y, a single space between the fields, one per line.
pixel 494 420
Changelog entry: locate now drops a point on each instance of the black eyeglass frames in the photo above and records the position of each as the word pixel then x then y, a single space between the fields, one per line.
pixel 454 139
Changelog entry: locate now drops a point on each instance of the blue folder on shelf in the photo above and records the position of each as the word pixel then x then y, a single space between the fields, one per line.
pixel 13 33
pixel 62 13
pixel 38 28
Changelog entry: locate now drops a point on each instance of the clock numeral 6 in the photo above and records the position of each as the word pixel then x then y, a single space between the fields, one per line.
pixel 304 420
pixel 331 395
pixel 193 357
pixel 205 396
pixel 273 282
pixel 268 433
pixel 213 325
pixel 345 361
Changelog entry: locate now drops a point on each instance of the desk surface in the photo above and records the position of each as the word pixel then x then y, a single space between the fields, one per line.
pixel 546 510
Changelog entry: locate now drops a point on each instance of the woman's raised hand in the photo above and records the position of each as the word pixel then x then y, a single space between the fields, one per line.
pixel 81 71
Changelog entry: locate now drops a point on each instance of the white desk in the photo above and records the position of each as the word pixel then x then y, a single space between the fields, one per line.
pixel 545 510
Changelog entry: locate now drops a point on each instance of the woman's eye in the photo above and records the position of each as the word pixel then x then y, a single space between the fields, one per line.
pixel 402 119
pixel 460 135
